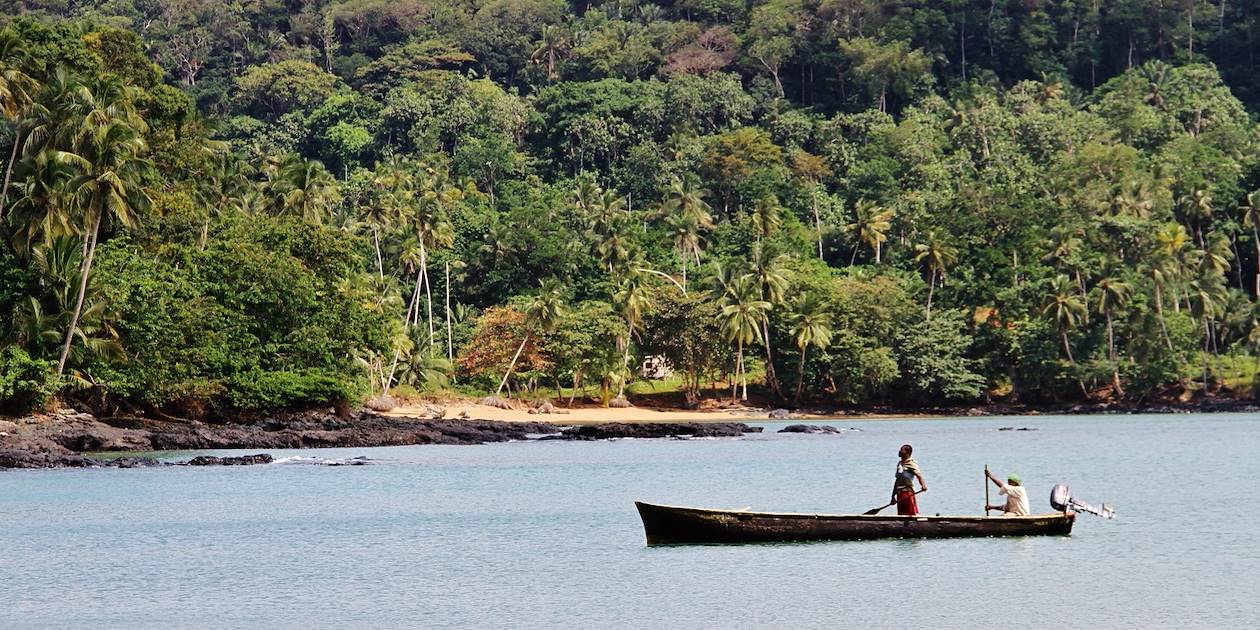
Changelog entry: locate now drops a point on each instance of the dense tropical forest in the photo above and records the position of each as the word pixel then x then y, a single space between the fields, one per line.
pixel 210 207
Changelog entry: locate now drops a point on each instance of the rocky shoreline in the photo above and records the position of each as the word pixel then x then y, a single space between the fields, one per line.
pixel 59 440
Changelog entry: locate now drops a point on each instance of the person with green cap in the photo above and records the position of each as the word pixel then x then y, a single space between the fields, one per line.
pixel 1016 496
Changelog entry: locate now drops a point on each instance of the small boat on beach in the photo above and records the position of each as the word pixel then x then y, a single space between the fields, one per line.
pixel 672 525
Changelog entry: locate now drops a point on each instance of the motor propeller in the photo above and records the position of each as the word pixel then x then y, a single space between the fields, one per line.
pixel 1061 499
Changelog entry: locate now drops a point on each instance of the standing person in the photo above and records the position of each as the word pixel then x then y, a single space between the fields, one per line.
pixel 903 483
pixel 1016 496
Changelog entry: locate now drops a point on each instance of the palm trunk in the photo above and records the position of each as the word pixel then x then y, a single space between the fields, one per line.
pixel 772 379
pixel 1207 335
pixel 512 365
pixel 818 224
pixel 1111 356
pixel 682 253
pixel 450 347
pixel 1159 313
pixel 8 171
pixel 800 377
pixel 577 382
pixel 376 240
pixel 931 289
pixel 1255 237
pixel 1067 349
pixel 84 271
pixel 743 372
pixel 413 306
pixel 428 300
pixel 625 361
pixel 739 354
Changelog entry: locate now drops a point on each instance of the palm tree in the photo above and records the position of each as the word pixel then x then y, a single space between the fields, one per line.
pixel 685 233
pixel 686 217
pixel 614 249
pixel 770 273
pixel 870 226
pixel 432 231
pixel 1064 307
pixel 741 316
pixel 1251 219
pixel 766 217
pixel 108 186
pixel 1113 294
pixel 632 300
pixel 43 207
pixel 686 197
pixel 1164 271
pixel 552 44
pixel 542 312
pixel 1171 251
pixel 1197 207
pixel 1207 298
pixel 811 325
pixel 938 255
pixel 303 188
pixel 16 95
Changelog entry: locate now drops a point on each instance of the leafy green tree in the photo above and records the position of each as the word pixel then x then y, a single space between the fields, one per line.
pixel 542 312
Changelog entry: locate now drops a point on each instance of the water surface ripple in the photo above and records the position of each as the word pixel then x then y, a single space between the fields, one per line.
pixel 545 535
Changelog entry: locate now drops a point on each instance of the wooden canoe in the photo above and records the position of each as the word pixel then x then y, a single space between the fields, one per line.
pixel 671 525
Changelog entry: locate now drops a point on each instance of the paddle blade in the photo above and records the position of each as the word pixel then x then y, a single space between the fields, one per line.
pixel 874 511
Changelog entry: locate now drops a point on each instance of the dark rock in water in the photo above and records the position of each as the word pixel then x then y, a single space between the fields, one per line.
pixel 780 414
pixel 23 458
pixel 1006 428
pixel 809 428
pixel 1019 429
pixel 244 460
pixel 656 430
pixel 131 462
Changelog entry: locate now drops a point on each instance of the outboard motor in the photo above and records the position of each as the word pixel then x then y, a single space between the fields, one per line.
pixel 1061 499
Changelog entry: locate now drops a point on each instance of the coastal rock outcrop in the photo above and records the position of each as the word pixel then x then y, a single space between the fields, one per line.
pixel 59 440
pixel 655 430
pixel 243 460
pixel 809 428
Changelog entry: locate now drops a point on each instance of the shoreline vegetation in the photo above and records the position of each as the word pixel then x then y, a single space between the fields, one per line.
pixel 218 215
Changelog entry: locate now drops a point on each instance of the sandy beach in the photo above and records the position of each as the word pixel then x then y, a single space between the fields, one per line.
pixel 578 415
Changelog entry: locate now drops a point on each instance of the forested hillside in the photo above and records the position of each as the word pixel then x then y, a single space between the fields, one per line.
pixel 211 207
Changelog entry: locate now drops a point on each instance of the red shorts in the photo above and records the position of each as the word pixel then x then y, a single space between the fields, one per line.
pixel 906 504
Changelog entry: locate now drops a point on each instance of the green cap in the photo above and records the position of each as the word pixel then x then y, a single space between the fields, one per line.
pixel 1013 479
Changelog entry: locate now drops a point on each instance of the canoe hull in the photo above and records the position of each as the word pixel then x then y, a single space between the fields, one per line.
pixel 671 525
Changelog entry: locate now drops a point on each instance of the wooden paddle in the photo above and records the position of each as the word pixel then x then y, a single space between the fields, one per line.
pixel 875 511
pixel 986 489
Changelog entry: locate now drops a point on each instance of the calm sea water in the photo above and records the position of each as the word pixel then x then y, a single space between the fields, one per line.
pixel 545 534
